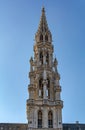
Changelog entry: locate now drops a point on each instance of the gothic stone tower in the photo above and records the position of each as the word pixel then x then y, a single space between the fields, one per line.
pixel 44 106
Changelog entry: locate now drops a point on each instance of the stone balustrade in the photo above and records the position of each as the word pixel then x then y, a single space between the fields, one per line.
pixel 45 102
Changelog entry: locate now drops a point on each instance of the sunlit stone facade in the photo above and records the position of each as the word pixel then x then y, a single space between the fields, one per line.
pixel 44 106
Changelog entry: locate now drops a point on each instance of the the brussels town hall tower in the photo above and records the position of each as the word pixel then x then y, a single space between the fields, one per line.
pixel 44 106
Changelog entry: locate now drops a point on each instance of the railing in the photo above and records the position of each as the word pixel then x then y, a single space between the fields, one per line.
pixel 44 128
pixel 45 102
pixel 30 101
pixel 59 102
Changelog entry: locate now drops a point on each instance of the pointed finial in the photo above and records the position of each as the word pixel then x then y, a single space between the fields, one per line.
pixel 31 59
pixel 43 9
pixel 43 27
pixel 55 61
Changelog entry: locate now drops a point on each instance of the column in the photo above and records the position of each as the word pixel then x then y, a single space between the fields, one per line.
pixel 45 117
pixel 44 58
pixel 44 89
pixel 59 118
pixel 35 117
pixel 38 60
pixel 54 119
pixel 57 95
pixel 44 84
pixel 50 59
pixel 31 67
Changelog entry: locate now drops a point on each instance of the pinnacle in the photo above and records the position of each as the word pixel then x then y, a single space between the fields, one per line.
pixel 43 22
pixel 43 31
pixel 43 9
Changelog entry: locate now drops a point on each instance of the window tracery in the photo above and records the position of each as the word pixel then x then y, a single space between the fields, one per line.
pixel 46 37
pixel 41 37
pixel 39 119
pixel 41 57
pixel 48 88
pixel 41 88
pixel 47 58
pixel 50 119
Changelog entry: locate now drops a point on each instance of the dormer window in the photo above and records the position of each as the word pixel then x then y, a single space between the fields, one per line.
pixel 41 37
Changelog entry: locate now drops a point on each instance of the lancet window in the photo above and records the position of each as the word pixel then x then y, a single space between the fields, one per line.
pixel 50 119
pixel 41 37
pixel 39 119
pixel 48 88
pixel 41 57
pixel 47 58
pixel 41 88
pixel 46 37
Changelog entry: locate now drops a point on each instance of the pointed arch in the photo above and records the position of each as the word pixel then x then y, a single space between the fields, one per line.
pixel 41 88
pixel 48 87
pixel 39 119
pixel 46 37
pixel 50 119
pixel 47 58
pixel 41 57
pixel 41 37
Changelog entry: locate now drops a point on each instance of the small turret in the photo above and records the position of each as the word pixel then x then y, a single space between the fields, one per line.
pixel 55 64
pixel 31 64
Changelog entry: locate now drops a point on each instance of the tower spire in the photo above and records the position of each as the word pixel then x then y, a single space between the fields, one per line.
pixel 44 106
pixel 43 28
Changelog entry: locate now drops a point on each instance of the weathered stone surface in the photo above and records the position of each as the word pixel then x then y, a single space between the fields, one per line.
pixel 44 88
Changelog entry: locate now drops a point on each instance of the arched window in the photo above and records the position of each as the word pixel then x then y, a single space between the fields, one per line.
pixel 39 119
pixel 47 58
pixel 45 29
pixel 46 37
pixel 41 37
pixel 48 88
pixel 50 119
pixel 41 88
pixel 41 57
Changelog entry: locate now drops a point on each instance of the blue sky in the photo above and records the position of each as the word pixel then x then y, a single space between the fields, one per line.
pixel 19 21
